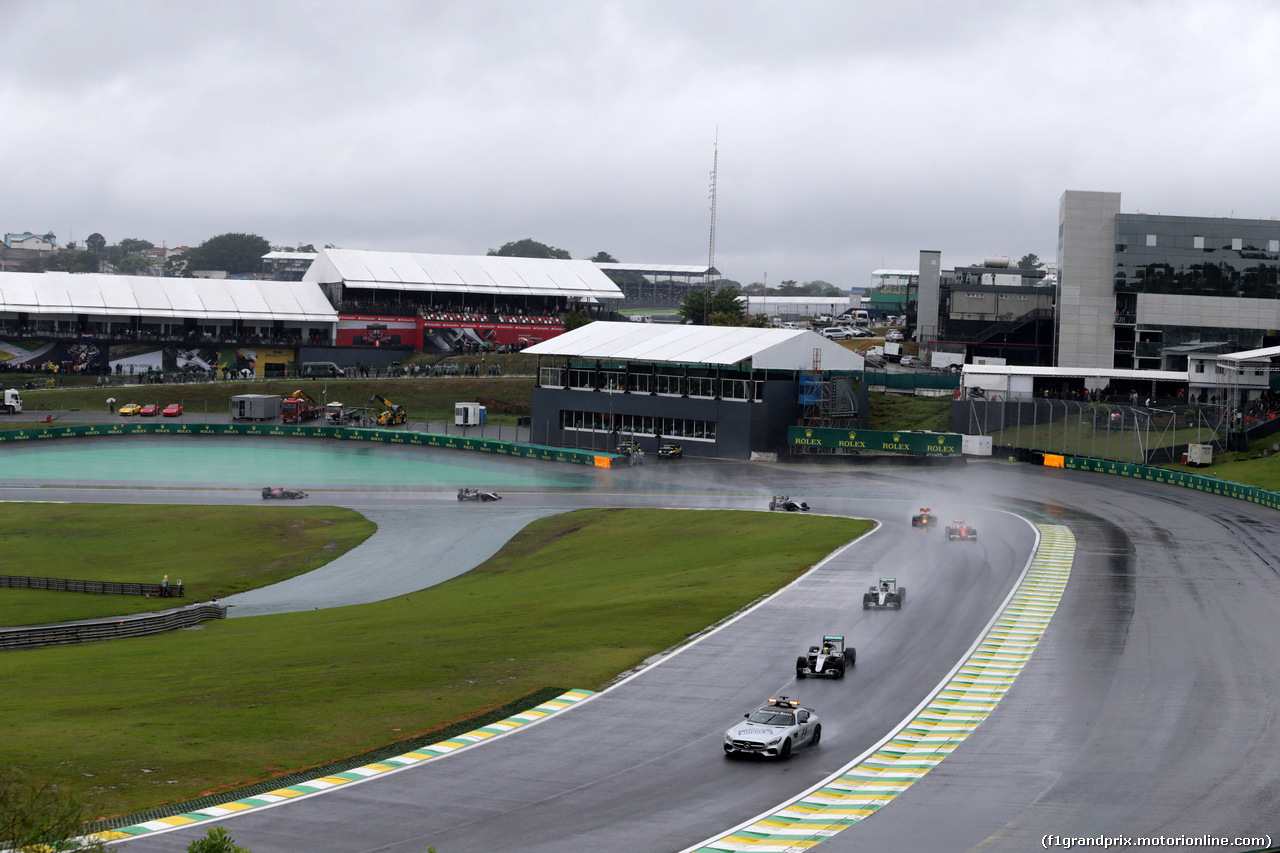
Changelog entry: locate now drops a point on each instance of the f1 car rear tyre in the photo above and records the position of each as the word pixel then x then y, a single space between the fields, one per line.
pixel 817 735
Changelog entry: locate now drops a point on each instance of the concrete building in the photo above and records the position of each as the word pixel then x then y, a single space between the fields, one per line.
pixel 1143 291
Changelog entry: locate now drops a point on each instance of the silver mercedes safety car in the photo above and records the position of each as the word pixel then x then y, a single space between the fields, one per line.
pixel 773 730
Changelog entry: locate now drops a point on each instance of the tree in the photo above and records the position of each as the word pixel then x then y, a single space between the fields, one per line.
pixel 725 307
pixel 755 288
pixel 307 247
pixel 818 287
pixel 129 245
pixel 37 815
pixel 133 265
pixel 1030 262
pixel 216 840
pixel 604 258
pixel 530 248
pixel 96 243
pixel 576 319
pixel 789 288
pixel 74 262
pixel 235 253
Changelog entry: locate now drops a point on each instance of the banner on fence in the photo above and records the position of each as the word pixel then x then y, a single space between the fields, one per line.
pixel 867 440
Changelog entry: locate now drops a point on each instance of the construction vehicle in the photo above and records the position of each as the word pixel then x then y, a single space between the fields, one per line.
pixel 391 413
pixel 299 406
pixel 12 401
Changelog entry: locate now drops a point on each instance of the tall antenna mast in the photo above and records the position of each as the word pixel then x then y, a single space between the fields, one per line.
pixel 711 246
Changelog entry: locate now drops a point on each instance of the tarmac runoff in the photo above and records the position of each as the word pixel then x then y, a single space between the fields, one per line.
pixel 934 731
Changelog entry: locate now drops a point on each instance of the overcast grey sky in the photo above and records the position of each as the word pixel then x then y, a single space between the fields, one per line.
pixel 851 134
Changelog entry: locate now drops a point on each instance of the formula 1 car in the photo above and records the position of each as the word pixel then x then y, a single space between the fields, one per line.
pixel 466 494
pixel 773 730
pixel 784 503
pixel 886 593
pixel 960 530
pixel 279 493
pixel 831 658
pixel 924 519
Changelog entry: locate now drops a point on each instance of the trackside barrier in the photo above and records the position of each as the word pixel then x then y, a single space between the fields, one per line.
pixel 1186 479
pixel 109 628
pixel 96 587
pixel 380 436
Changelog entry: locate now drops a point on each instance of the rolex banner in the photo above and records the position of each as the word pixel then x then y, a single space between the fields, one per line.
pixel 874 441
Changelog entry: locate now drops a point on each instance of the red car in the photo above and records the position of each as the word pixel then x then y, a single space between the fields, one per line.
pixel 172 410
pixel 150 410
pixel 960 530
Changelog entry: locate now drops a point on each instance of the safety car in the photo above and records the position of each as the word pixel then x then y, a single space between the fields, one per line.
pixel 885 593
pixel 831 658
pixel 773 730
pixel 671 450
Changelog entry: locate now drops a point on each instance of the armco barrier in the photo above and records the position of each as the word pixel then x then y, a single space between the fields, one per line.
pixel 94 587
pixel 110 628
pixel 1186 479
pixel 380 436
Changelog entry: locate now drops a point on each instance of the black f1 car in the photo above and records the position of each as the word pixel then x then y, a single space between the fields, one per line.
pixel 279 493
pixel 924 518
pixel 960 530
pixel 886 593
pixel 831 658
pixel 784 503
pixel 467 494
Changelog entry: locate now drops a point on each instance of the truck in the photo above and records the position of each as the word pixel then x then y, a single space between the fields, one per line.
pixel 391 413
pixel 298 407
pixel 12 401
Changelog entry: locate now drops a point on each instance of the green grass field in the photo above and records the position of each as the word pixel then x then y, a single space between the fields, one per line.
pixel 572 601
pixel 214 551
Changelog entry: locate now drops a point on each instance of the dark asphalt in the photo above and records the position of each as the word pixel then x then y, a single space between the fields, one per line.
pixel 1146 710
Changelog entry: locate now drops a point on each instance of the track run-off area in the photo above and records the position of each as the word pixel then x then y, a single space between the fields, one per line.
pixel 1091 666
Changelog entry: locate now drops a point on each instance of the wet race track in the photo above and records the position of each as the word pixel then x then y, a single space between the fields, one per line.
pixel 1146 709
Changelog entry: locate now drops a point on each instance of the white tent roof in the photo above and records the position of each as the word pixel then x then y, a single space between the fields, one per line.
pixel 490 275
pixel 101 295
pixel 975 370
pixel 662 269
pixel 777 349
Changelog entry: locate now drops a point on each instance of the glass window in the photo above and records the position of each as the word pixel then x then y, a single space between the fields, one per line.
pixel 1237 243
pixel 1197 242
pixel 1273 245
pixel 1151 239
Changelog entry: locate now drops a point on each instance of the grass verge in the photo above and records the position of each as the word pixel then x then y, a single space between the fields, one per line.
pixel 214 551
pixel 573 601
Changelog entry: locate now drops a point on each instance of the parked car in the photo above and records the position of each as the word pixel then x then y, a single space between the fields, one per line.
pixel 671 450
pixel 875 360
pixel 911 361
pixel 837 333
pixel 150 410
pixel 172 410
pixel 130 409
pixel 893 336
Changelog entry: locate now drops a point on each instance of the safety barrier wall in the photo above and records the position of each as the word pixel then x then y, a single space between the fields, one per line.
pixel 380 436
pixel 1186 479
pixel 139 625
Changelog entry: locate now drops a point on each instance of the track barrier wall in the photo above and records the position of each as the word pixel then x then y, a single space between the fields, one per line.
pixel 1199 482
pixel 380 436
pixel 109 628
